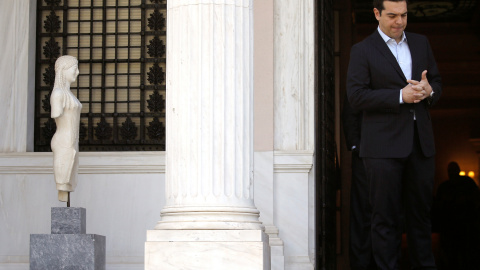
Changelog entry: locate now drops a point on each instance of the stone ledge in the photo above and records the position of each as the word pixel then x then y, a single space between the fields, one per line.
pixel 90 162
pixel 298 161
pixel 112 266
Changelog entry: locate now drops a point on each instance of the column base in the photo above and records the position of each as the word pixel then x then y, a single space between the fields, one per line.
pixel 207 249
pixel 209 218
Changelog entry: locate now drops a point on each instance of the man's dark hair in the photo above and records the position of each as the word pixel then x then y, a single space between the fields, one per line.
pixel 378 4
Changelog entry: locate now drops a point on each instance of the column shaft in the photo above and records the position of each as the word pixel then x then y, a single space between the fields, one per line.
pixel 209 133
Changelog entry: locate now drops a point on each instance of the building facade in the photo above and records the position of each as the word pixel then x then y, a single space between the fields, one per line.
pixel 124 192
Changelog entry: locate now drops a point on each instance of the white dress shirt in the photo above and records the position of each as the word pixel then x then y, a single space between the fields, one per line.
pixel 401 52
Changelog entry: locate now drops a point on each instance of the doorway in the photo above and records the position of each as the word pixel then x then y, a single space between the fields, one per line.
pixel 453 29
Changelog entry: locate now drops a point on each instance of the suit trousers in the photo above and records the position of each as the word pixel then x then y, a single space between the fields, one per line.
pixel 401 191
pixel 361 257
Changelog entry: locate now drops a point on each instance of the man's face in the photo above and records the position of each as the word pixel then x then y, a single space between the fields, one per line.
pixel 393 19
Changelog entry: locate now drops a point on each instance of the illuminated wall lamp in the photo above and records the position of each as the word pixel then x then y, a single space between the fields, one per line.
pixel 470 173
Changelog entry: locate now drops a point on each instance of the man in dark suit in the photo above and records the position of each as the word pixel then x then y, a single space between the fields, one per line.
pixel 393 79
pixel 361 257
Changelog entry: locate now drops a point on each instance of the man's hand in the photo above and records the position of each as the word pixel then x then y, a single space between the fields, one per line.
pixel 417 91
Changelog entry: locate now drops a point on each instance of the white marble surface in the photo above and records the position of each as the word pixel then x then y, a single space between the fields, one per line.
pixel 294 75
pixel 207 249
pixel 137 178
pixel 17 68
pixel 210 220
pixel 120 206
pixel 263 185
pixel 144 176
pixel 65 109
pixel 264 200
pixel 150 162
pixel 277 250
pixel 291 215
pixel 290 190
pixel 206 235
pixel 293 161
pixel 293 204
pixel 299 263
pixel 312 211
pixel 209 168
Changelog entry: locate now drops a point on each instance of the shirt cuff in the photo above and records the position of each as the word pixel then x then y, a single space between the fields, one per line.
pixel 401 99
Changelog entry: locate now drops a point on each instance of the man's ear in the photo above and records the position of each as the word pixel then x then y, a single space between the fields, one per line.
pixel 377 13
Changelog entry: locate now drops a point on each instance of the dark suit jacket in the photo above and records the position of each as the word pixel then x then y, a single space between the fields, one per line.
pixel 373 86
pixel 352 124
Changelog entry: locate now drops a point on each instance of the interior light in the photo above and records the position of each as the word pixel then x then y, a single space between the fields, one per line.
pixel 462 173
pixel 471 174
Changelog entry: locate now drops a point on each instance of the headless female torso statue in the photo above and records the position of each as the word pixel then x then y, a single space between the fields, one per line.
pixel 65 109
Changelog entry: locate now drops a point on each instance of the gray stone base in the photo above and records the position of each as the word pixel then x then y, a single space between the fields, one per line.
pixel 68 247
pixel 69 220
pixel 67 251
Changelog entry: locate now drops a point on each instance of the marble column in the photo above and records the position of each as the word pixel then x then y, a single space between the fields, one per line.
pixel 209 142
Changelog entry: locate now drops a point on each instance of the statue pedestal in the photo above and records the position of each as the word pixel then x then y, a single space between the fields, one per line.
pixel 68 247
pixel 207 249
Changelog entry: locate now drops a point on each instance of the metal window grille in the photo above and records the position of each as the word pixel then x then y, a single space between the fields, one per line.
pixel 120 46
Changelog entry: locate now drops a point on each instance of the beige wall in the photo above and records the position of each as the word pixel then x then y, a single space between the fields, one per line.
pixel 263 75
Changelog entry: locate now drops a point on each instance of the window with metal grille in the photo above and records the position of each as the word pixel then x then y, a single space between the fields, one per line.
pixel 120 47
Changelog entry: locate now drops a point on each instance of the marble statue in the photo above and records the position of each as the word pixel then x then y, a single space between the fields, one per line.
pixel 65 109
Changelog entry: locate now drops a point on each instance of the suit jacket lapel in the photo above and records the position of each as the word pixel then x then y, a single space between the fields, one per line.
pixel 414 47
pixel 385 51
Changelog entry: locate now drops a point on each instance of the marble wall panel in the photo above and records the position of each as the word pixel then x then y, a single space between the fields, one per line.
pixel 120 206
pixel 293 75
pixel 263 185
pixel 293 206
pixel 292 211
pixel 17 51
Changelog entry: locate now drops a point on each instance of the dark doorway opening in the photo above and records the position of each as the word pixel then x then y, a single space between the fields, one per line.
pixel 453 29
pixel 326 185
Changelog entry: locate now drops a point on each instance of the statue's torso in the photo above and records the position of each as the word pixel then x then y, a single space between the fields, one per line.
pixel 68 123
